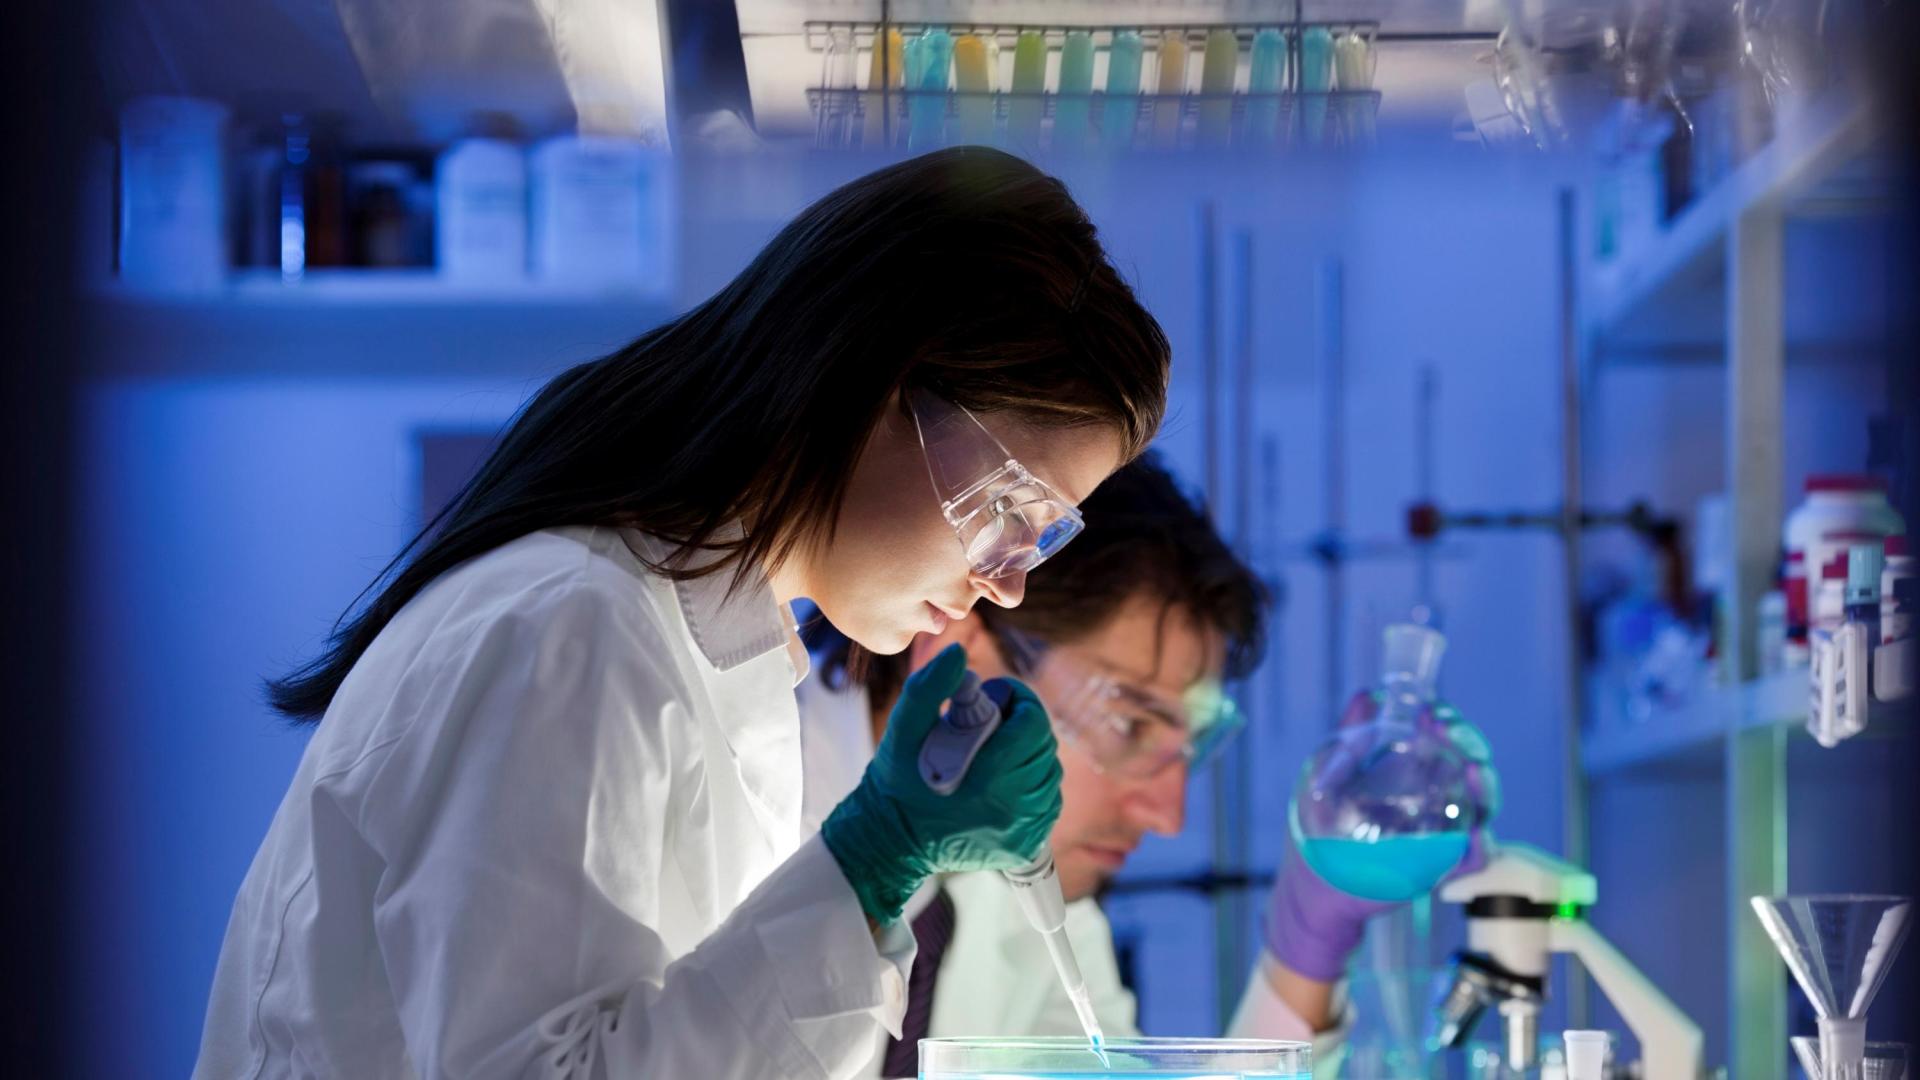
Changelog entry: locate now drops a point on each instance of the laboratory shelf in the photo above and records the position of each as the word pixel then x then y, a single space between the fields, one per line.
pixel 1669 293
pixel 357 323
pixel 1698 728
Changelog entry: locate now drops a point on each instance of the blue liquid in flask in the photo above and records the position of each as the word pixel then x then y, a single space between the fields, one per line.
pixel 1390 869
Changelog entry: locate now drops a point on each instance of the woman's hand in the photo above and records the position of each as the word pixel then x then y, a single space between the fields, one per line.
pixel 893 832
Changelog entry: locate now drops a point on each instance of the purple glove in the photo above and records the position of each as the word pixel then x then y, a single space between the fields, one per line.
pixel 1312 927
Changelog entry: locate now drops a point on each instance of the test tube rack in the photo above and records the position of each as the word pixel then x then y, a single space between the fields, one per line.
pixel 852 116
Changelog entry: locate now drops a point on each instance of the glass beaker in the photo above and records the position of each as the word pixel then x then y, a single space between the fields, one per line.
pixel 1058 1058
pixel 1384 809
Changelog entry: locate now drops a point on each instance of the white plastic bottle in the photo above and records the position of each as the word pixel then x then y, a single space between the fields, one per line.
pixel 1896 592
pixel 173 193
pixel 602 213
pixel 1839 509
pixel 481 207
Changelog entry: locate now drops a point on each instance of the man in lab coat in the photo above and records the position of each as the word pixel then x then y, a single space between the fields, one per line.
pixel 1127 636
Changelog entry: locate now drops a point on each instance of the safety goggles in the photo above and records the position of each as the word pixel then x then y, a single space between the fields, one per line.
pixel 1008 520
pixel 1125 730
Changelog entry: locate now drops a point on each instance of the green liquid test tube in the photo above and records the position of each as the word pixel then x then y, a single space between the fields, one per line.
pixel 1316 80
pixel 1266 78
pixel 1219 65
pixel 1071 113
pixel 1026 107
pixel 1122 111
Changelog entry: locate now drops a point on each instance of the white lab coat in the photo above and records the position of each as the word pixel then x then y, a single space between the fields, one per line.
pixel 993 979
pixel 550 827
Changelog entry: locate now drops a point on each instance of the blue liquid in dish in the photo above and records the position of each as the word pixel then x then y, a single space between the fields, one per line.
pixel 1392 868
pixel 1143 1075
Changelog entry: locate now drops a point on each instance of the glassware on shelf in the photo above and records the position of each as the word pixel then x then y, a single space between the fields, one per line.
pixel 1800 49
pixel 1566 69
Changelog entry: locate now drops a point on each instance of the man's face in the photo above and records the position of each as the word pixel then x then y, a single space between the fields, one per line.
pixel 1151 653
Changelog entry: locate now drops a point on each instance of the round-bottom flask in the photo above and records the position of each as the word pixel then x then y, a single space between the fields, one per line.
pixel 1384 809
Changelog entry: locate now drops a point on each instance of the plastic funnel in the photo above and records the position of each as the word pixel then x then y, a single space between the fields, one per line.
pixel 1881 1061
pixel 1838 947
pixel 1586 1055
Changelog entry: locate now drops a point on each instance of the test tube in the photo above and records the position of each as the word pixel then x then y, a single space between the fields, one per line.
pixel 927 107
pixel 1316 81
pixel 1026 107
pixel 973 78
pixel 1122 105
pixel 886 72
pixel 1266 78
pixel 1219 65
pixel 1353 68
pixel 834 127
pixel 1171 89
pixel 1071 107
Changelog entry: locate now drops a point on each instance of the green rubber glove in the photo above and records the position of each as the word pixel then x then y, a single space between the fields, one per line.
pixel 894 832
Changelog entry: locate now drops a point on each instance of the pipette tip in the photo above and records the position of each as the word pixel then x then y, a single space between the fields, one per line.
pixel 1083 1008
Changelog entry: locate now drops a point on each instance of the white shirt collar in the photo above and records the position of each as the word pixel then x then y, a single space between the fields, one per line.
pixel 730 626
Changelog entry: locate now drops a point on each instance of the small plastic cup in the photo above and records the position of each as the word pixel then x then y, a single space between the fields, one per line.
pixel 1586 1055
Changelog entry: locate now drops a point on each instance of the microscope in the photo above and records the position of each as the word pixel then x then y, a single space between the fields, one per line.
pixel 1521 908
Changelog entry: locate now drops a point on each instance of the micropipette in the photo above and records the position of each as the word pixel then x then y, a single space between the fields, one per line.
pixel 950 747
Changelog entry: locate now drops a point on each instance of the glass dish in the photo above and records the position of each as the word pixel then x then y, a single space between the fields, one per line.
pixel 1070 1057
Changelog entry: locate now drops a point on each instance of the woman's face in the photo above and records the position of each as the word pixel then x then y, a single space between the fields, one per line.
pixel 894 567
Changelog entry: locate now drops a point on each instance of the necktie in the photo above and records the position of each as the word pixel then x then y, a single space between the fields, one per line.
pixel 933 929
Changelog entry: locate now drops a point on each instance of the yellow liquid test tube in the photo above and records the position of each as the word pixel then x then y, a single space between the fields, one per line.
pixel 1172 88
pixel 886 73
pixel 1353 70
pixel 973 79
pixel 1220 64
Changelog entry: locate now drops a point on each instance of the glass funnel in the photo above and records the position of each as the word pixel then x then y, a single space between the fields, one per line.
pixel 1839 949
pixel 1384 809
pixel 1060 1058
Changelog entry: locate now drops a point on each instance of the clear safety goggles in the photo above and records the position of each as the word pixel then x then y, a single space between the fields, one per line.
pixel 1008 520
pixel 1123 729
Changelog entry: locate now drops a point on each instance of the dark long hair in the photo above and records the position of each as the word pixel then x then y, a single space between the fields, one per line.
pixel 966 272
pixel 1145 538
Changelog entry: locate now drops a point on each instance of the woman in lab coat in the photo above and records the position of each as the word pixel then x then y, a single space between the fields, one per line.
pixel 549 822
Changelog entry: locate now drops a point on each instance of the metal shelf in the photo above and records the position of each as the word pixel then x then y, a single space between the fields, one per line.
pixel 1671 291
pixel 402 324
pixel 1701 724
pixel 1698 729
